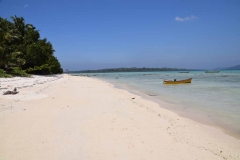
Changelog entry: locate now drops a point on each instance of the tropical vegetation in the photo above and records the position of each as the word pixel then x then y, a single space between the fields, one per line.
pixel 23 52
pixel 133 69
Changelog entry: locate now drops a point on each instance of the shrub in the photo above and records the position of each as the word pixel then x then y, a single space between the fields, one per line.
pixel 18 72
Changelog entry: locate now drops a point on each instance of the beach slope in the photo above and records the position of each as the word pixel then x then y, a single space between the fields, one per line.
pixel 70 117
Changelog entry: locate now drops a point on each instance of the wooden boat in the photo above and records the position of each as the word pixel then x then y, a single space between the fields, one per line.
pixel 184 81
pixel 212 71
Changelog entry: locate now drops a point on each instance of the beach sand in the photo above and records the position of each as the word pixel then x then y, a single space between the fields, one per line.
pixel 66 117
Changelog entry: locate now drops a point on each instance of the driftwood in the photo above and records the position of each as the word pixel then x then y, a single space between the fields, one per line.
pixel 11 92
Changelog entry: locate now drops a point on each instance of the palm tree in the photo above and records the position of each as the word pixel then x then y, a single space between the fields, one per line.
pixel 19 27
pixel 21 46
pixel 9 36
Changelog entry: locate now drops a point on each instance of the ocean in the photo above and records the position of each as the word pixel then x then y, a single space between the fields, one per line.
pixel 212 98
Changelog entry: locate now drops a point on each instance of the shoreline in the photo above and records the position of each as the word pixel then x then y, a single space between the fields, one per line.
pixel 87 118
pixel 197 117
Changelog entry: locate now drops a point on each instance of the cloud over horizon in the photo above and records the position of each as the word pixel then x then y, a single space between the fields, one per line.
pixel 185 19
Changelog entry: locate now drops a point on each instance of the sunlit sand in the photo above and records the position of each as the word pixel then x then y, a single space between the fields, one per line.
pixel 67 117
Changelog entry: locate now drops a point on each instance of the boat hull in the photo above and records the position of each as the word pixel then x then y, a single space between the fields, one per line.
pixel 178 82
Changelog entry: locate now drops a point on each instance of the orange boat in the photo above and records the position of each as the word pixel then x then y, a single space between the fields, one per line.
pixel 189 80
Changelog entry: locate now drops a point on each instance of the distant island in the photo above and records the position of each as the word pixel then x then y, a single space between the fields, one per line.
pixel 234 68
pixel 133 69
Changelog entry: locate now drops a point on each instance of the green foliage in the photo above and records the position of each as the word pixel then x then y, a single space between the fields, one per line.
pixel 55 66
pixel 44 69
pixel 19 72
pixel 4 74
pixel 52 67
pixel 14 72
pixel 22 49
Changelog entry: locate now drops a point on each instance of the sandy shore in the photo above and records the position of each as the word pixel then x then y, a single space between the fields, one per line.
pixel 66 118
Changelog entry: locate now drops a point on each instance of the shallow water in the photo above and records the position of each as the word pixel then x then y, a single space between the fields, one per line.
pixel 211 98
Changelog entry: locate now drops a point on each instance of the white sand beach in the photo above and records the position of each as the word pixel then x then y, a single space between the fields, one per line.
pixel 65 117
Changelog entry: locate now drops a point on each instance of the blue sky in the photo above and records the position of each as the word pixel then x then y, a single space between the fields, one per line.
pixel 96 34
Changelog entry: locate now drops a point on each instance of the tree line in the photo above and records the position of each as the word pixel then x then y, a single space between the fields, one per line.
pixel 133 69
pixel 23 51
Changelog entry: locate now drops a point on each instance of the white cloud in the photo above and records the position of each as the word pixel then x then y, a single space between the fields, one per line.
pixel 21 7
pixel 185 19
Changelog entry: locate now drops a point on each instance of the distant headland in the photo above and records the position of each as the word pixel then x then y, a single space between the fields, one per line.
pixel 234 68
pixel 133 69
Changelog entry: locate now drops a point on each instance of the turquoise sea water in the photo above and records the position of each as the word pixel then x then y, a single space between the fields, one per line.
pixel 211 98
